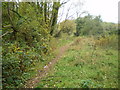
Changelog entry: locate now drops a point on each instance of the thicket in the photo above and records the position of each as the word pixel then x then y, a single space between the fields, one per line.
pixel 93 25
pixel 67 26
pixel 27 29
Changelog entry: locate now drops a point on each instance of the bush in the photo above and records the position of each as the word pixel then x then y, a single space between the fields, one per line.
pixel 67 26
pixel 88 25
pixel 16 61
pixel 110 41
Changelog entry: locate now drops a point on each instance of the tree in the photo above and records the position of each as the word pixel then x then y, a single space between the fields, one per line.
pixel 54 17
pixel 67 26
pixel 27 27
pixel 88 25
pixel 79 26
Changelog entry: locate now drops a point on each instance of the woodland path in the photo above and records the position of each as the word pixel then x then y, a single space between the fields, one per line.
pixel 34 81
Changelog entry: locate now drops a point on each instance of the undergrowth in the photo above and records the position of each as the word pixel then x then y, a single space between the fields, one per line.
pixel 85 65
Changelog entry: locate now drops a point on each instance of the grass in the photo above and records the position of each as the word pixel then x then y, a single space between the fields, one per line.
pixel 82 66
pixel 33 71
pixel 64 40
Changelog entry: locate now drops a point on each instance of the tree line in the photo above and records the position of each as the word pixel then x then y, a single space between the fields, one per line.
pixel 88 25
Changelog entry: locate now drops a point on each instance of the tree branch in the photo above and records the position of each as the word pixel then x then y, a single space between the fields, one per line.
pixel 5 34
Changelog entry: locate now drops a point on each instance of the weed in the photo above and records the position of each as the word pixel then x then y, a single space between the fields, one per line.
pixel 77 69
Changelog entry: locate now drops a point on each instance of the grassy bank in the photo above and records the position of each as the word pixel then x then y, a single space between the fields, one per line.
pixel 84 65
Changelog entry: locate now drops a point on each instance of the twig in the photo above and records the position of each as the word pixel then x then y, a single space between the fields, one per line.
pixel 5 34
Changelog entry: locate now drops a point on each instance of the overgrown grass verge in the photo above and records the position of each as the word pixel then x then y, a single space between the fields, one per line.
pixel 84 66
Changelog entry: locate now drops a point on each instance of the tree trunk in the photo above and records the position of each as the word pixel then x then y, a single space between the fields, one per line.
pixel 54 17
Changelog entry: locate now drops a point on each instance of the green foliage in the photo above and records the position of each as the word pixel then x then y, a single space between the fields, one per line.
pixel 0 39
pixel 67 26
pixel 84 67
pixel 30 27
pixel 107 41
pixel 79 25
pixel 90 25
pixel 29 40
pixel 110 28
pixel 16 61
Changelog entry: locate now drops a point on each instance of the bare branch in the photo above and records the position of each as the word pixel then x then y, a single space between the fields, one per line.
pixel 68 12
pixel 5 34
pixel 64 2
pixel 6 26
pixel 71 16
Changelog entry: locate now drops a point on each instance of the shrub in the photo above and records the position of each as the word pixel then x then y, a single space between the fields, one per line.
pixel 67 26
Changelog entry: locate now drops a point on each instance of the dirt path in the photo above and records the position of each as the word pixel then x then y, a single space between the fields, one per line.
pixel 34 81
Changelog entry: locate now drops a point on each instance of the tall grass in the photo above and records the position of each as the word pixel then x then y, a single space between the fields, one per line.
pixel 84 66
pixel 110 41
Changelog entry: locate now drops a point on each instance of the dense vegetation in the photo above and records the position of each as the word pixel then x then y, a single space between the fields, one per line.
pixel 84 65
pixel 31 34
pixel 90 25
pixel 29 28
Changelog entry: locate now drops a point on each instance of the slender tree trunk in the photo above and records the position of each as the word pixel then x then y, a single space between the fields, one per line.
pixel 54 17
